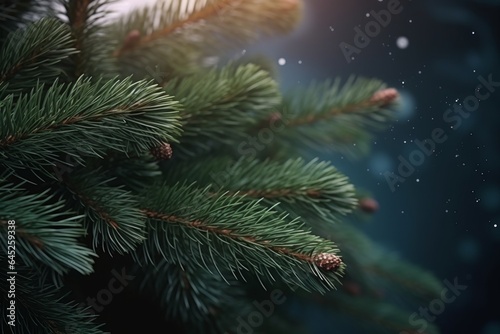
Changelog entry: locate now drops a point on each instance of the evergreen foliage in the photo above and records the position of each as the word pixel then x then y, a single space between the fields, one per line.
pixel 124 146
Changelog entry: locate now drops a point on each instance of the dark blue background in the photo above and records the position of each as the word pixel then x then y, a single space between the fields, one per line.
pixel 442 217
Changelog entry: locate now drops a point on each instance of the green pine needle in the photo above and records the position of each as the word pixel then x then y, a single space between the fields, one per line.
pixel 235 234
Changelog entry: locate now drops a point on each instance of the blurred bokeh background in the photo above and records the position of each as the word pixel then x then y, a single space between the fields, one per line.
pixel 445 217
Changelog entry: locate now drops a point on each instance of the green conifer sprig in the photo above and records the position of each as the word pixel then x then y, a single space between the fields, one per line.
pixel 314 187
pixel 44 309
pixel 79 111
pixel 202 301
pixel 45 234
pixel 34 55
pixel 16 14
pixel 84 119
pixel 221 104
pixel 112 215
pixel 338 116
pixel 238 235
pixel 85 19
pixel 180 37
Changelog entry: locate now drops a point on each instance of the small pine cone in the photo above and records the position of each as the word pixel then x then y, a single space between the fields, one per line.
pixel 368 205
pixel 384 97
pixel 327 261
pixel 162 152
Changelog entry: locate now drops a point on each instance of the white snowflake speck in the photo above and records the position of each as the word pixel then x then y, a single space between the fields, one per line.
pixel 402 42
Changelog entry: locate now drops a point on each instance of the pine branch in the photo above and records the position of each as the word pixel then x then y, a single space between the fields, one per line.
pixel 78 14
pixel 44 233
pixel 356 248
pixel 112 215
pixel 85 18
pixel 313 187
pixel 84 120
pixel 238 235
pixel 203 302
pixel 220 105
pixel 10 12
pixel 178 34
pixel 338 116
pixel 15 14
pixel 42 309
pixel 371 266
pixel 33 55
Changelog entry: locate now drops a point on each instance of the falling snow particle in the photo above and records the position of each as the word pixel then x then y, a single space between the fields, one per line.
pixel 418 180
pixel 282 61
pixel 402 42
pixel 495 225
pixel 300 61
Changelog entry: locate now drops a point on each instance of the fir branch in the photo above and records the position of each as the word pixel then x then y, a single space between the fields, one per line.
pixel 315 187
pixel 112 215
pixel 338 116
pixel 77 11
pixel 85 18
pixel 181 34
pixel 373 266
pixel 200 13
pixel 238 235
pixel 34 54
pixel 45 233
pixel 78 14
pixel 15 14
pixel 203 302
pixel 181 16
pixel 42 309
pixel 375 101
pixel 220 105
pixel 84 119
